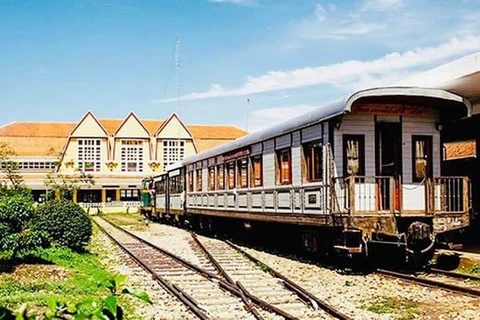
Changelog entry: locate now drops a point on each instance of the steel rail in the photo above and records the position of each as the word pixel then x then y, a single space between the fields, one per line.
pixel 430 282
pixel 224 284
pixel 244 293
pixel 453 274
pixel 187 264
pixel 314 300
pixel 173 289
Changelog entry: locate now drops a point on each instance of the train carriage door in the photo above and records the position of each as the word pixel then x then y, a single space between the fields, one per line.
pixel 388 154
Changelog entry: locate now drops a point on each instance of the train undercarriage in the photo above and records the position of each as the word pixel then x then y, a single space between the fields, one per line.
pixel 410 241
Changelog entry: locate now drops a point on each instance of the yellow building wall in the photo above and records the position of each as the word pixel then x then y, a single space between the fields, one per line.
pixel 146 154
pixel 71 156
pixel 89 127
pixel 174 129
pixel 189 150
pixel 132 129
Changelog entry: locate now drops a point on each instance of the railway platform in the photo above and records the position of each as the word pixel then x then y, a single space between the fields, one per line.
pixel 465 259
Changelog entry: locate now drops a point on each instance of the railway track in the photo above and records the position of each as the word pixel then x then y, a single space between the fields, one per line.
pixel 451 281
pixel 210 290
pixel 197 288
pixel 237 266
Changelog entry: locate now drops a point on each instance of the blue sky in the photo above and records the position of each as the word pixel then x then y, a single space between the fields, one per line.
pixel 59 59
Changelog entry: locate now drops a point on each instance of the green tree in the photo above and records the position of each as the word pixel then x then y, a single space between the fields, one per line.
pixel 9 168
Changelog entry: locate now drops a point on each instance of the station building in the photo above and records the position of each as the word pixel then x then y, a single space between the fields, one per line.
pixel 117 153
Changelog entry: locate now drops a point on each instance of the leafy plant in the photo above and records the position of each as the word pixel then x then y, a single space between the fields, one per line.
pixel 65 222
pixel 106 308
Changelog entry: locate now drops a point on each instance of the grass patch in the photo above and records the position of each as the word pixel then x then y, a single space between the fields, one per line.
pixel 135 221
pixel 57 273
pixel 404 308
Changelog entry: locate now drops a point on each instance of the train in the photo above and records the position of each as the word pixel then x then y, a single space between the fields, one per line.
pixel 361 177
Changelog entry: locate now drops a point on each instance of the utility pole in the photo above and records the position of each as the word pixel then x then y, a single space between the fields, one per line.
pixel 248 105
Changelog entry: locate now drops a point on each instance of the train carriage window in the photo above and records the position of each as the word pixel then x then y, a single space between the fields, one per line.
pixel 220 177
pixel 211 178
pixel 422 158
pixel 190 181
pixel 284 166
pixel 353 155
pixel 231 175
pixel 199 180
pixel 313 155
pixel 257 179
pixel 242 170
pixel 160 186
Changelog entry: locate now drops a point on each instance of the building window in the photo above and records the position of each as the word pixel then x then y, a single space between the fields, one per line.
pixel 242 170
pixel 129 195
pixel 173 151
pixel 257 177
pixel 313 154
pixel 132 156
pixel 199 180
pixel 354 155
pixel 220 177
pixel 211 178
pixel 284 166
pixel 89 155
pixel 231 175
pixel 422 158
pixel 190 181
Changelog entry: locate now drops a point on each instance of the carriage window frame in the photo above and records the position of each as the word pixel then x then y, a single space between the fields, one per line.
pixel 212 178
pixel 190 181
pixel 220 177
pixel 360 139
pixel 256 171
pixel 198 184
pixel 428 155
pixel 231 178
pixel 242 173
pixel 281 180
pixel 310 161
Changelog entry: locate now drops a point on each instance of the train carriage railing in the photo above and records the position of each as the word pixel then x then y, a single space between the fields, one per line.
pixel 387 195
pixel 311 198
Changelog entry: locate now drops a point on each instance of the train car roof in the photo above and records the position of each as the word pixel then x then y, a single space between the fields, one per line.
pixel 322 114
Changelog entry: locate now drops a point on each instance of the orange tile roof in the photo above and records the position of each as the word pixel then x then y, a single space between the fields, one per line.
pixel 111 125
pixel 35 146
pixel 460 150
pixel 48 137
pixel 37 129
pixel 152 125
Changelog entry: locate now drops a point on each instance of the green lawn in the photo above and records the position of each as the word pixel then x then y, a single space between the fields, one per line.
pixel 56 272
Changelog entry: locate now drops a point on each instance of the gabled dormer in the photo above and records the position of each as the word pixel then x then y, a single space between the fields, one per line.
pixel 86 148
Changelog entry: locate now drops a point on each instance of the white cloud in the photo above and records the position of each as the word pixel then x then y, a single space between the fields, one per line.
pixel 239 2
pixel 265 118
pixel 349 74
pixel 382 5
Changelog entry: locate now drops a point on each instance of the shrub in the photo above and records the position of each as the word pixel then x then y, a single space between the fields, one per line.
pixel 65 222
pixel 16 212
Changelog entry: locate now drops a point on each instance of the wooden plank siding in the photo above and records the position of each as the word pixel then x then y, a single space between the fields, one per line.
pixel 296 159
pixel 269 163
pixel 419 126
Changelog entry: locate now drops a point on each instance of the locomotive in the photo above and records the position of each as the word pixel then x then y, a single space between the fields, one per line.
pixel 355 177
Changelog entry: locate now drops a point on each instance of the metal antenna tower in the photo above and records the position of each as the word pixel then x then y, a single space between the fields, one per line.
pixel 177 69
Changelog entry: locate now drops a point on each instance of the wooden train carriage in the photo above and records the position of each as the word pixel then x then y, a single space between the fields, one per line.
pixel 169 191
pixel 371 163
